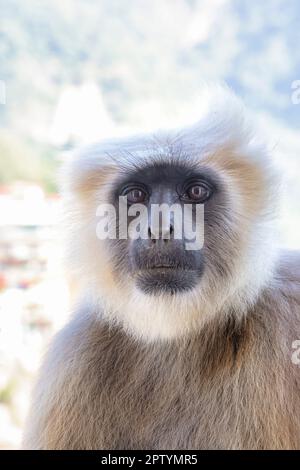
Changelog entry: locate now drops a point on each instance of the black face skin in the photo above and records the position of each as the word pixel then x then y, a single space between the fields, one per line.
pixel 164 264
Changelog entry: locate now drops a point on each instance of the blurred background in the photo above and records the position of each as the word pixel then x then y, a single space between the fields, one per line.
pixel 74 71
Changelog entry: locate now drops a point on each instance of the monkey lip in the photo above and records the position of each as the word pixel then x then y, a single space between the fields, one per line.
pixel 164 266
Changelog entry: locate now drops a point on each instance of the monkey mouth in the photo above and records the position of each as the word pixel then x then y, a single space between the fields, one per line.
pixel 162 267
pixel 166 273
pixel 168 279
pixel 166 264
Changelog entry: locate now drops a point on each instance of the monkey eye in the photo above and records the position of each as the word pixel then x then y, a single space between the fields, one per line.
pixel 197 192
pixel 135 195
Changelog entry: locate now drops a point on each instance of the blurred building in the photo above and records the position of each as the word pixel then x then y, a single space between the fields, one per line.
pixel 33 296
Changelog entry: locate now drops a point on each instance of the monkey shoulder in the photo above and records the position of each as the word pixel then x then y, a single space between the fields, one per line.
pixel 84 339
pixel 279 304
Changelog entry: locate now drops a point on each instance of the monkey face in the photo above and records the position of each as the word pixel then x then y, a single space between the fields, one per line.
pixel 163 261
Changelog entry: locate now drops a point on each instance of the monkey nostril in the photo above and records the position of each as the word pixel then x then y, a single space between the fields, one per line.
pixel 168 235
pixel 153 240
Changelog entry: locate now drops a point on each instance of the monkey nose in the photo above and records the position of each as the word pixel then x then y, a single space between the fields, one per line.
pixel 164 233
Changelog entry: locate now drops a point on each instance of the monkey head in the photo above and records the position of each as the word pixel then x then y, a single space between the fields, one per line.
pixel 155 285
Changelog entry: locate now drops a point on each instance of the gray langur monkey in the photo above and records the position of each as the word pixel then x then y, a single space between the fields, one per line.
pixel 170 348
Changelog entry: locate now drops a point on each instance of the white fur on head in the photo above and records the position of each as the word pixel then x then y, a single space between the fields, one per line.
pixel 223 139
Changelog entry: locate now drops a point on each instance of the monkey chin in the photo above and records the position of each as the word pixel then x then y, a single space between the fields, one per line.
pixel 166 280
